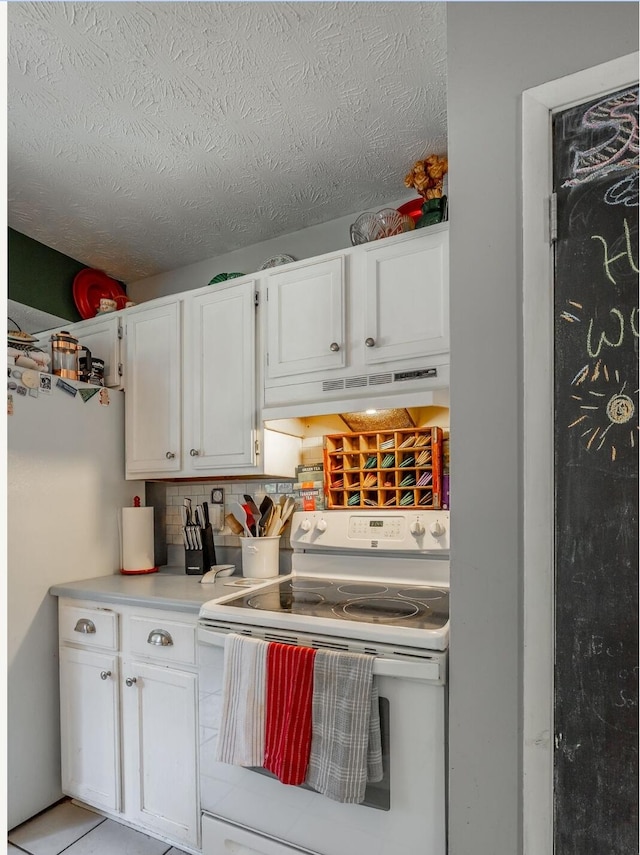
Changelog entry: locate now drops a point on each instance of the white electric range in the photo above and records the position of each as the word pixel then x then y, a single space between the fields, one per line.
pixel 374 582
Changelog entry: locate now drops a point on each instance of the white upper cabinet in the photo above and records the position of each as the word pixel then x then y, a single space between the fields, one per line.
pixel 371 323
pixel 153 404
pixel 306 319
pixel 406 305
pixel 220 379
pixel 191 400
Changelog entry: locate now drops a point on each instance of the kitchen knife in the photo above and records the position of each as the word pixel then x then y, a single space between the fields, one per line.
pixel 197 536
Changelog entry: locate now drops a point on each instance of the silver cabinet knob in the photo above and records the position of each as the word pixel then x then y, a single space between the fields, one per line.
pixel 105 674
pixel 131 680
pixel 194 452
pixel 370 342
pixel 160 637
pixel 85 625
pixel 169 455
pixel 334 346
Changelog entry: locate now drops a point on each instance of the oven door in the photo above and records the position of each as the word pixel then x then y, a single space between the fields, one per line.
pixel 247 811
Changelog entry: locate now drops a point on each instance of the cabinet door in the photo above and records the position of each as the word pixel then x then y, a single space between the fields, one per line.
pixel 153 411
pixel 406 299
pixel 306 319
pixel 102 336
pixel 160 750
pixel 89 727
pixel 220 381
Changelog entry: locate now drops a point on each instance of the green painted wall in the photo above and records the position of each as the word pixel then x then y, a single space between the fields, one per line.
pixel 41 277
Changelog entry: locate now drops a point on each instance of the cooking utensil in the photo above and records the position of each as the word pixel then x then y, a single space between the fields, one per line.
pixel 266 509
pixel 253 508
pixel 218 570
pixel 287 509
pixel 275 523
pixel 240 514
pixel 235 526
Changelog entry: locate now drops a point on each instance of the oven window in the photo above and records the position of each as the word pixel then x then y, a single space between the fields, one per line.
pixel 377 796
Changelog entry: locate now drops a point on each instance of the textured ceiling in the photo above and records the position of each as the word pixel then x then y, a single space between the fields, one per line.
pixel 143 137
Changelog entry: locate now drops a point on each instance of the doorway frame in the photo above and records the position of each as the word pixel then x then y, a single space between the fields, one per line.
pixel 538 106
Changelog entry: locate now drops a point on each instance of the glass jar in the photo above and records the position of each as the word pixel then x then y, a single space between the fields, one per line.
pixel 64 355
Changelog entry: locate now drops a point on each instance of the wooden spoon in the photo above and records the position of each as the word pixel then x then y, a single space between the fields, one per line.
pixel 235 526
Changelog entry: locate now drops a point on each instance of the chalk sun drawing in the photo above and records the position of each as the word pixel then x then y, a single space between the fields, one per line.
pixel 615 118
pixel 607 409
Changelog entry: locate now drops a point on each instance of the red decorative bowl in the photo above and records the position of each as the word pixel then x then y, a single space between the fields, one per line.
pixel 413 208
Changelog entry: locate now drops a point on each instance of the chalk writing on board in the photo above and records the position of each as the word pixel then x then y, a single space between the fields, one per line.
pixel 627 253
pixel 603 413
pixel 595 154
pixel 615 117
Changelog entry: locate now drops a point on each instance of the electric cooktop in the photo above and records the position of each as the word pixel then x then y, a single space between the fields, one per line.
pixel 417 606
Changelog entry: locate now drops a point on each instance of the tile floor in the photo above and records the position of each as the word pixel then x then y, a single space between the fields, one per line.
pixel 75 831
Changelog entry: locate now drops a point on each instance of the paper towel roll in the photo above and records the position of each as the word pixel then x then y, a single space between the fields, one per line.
pixel 137 540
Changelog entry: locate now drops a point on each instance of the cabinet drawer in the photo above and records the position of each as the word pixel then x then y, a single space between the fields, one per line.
pixel 89 627
pixel 162 640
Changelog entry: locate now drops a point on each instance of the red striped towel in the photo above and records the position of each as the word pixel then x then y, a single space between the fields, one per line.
pixel 288 717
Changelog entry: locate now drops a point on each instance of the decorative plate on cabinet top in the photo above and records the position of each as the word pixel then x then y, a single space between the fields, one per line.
pixel 276 261
pixel 90 286
pixel 222 277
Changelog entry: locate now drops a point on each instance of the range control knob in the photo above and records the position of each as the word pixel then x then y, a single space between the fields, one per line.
pixel 305 525
pixel 416 528
pixel 321 525
pixel 437 529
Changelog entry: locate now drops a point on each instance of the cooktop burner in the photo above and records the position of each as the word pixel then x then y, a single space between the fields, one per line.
pixel 381 603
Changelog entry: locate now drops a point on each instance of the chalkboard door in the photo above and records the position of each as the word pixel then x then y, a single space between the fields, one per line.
pixel 595 155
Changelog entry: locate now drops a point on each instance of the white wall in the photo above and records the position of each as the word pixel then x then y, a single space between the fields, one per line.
pixel 306 243
pixel 495 51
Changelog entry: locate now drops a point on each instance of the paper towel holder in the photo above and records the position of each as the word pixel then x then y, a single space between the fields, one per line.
pixel 137 571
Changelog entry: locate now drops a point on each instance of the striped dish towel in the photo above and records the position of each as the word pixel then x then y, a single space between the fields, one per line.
pixel 288 717
pixel 345 742
pixel 242 723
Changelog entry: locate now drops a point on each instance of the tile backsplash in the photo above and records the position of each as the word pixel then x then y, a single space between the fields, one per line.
pixel 200 491
pixel 234 491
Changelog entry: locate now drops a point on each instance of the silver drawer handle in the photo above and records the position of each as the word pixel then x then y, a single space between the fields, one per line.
pixel 169 455
pixel 194 452
pixel 84 625
pixel 334 346
pixel 105 674
pixel 160 637
pixel 131 680
pixel 370 342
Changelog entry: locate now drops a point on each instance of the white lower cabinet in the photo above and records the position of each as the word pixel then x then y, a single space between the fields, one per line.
pixel 90 726
pixel 160 749
pixel 129 716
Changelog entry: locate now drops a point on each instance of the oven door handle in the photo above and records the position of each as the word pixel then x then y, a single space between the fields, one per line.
pixel 423 670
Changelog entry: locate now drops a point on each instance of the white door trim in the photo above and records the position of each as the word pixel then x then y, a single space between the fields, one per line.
pixel 538 104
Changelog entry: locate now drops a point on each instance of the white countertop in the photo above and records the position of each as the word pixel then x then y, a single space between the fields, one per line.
pixel 170 588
